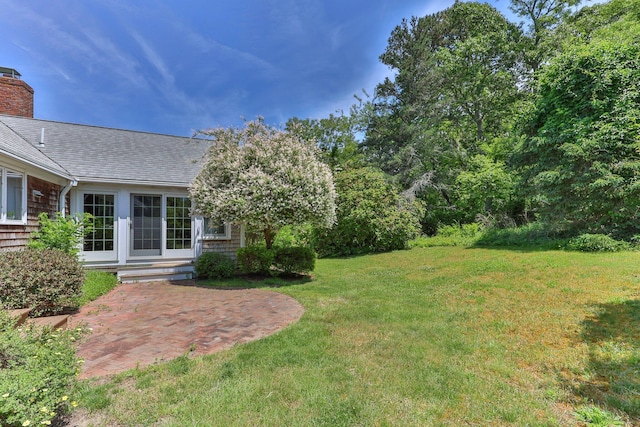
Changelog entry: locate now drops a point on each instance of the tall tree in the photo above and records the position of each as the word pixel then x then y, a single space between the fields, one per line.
pixel 264 178
pixel 543 16
pixel 456 86
pixel 338 136
pixel 581 159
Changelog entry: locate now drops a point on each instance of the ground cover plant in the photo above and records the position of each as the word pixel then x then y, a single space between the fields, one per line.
pixel 430 336
pixel 38 369
pixel 96 283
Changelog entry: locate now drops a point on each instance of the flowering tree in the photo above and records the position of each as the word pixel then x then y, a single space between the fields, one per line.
pixel 264 178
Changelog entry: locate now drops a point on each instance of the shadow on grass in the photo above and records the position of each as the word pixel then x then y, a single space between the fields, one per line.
pixel 252 281
pixel 612 377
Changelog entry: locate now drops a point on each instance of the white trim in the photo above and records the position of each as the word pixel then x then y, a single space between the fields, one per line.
pixel 92 256
pixel 137 183
pixel 3 197
pixel 216 236
pixel 122 232
pixel 177 253
pixel 164 252
pixel 35 165
pixel 62 198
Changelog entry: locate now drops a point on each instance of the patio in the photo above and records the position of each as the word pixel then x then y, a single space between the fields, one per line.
pixel 139 324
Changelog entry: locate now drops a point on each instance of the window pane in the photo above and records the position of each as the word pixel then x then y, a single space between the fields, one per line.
pixel 14 195
pixel 178 223
pixel 212 229
pixel 101 206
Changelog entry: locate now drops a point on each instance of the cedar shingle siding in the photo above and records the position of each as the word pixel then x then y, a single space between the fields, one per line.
pixel 227 247
pixel 14 237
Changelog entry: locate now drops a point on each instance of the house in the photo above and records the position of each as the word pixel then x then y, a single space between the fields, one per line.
pixel 135 184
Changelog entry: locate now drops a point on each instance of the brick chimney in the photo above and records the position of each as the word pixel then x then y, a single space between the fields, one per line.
pixel 16 97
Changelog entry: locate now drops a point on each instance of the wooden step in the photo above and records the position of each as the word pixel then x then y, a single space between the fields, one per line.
pixel 155 277
pixel 56 322
pixel 20 314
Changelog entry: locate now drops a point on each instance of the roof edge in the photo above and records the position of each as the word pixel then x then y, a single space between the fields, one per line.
pixel 36 165
pixel 99 180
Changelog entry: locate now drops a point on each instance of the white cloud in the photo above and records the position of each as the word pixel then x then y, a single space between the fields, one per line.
pixel 207 45
pixel 61 42
pixel 153 58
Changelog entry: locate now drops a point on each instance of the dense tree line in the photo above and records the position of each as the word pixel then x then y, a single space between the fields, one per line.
pixel 483 121
pixel 488 120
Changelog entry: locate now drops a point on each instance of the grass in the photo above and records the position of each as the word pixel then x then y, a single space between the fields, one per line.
pixel 441 336
pixel 96 283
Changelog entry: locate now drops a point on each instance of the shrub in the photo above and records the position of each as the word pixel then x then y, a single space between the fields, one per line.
pixel 39 368
pixel 294 235
pixel 597 243
pixel 64 233
pixel 372 216
pixel 46 280
pixel 538 234
pixel 451 235
pixel 213 265
pixel 295 259
pixel 255 259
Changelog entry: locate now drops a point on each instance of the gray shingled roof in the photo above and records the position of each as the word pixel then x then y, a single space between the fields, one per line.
pixel 13 145
pixel 97 154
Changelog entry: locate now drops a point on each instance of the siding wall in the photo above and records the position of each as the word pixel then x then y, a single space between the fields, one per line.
pixel 227 247
pixel 13 237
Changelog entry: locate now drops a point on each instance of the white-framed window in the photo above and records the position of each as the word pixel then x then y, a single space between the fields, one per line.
pixel 178 222
pixel 13 197
pixel 216 231
pixel 101 206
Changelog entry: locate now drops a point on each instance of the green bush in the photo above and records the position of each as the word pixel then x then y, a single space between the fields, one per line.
pixel 294 259
pixel 597 243
pixel 39 368
pixel 64 233
pixel 535 234
pixel 451 235
pixel 372 216
pixel 46 280
pixel 212 265
pixel 294 235
pixel 255 260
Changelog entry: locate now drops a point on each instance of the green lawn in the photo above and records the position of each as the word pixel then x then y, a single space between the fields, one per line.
pixel 432 336
pixel 96 283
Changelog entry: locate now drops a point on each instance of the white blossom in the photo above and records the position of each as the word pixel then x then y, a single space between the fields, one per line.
pixel 264 178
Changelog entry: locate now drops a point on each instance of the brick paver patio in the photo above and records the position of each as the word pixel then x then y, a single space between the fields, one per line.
pixel 139 324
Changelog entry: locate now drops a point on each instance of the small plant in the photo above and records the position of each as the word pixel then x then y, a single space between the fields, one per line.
pixel 212 265
pixel 294 235
pixel 295 259
pixel 255 260
pixel 451 235
pixel 596 417
pixel 535 234
pixel 46 280
pixel 597 243
pixel 39 368
pixel 64 233
pixel 97 283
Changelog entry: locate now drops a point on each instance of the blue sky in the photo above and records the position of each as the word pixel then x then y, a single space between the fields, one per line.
pixel 176 66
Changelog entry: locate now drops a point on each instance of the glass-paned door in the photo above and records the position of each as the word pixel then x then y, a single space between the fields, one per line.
pixel 178 223
pixel 102 209
pixel 146 225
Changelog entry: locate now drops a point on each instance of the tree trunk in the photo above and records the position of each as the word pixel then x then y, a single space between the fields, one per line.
pixel 269 236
